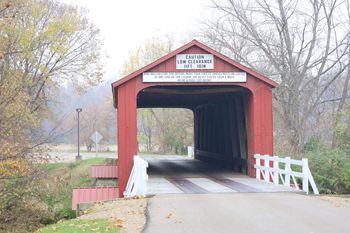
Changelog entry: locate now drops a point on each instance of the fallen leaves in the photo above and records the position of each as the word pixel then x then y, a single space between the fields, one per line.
pixel 119 223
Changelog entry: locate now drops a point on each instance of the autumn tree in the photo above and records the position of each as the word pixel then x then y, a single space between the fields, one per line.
pixel 42 45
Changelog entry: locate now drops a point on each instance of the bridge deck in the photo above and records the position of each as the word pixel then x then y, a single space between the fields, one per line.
pixel 179 174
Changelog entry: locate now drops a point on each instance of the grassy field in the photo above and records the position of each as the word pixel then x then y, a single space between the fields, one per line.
pixel 82 225
pixel 73 148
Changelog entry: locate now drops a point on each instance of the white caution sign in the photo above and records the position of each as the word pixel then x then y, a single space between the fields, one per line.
pixel 194 61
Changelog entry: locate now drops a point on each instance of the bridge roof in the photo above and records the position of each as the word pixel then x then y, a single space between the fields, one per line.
pixel 253 73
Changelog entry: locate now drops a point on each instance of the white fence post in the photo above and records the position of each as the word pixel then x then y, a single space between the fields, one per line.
pixel 275 173
pixel 287 175
pixel 305 172
pixel 257 170
pixel 312 183
pixel 267 166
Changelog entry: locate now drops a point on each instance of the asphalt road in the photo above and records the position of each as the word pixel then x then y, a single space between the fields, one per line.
pixel 212 208
pixel 246 213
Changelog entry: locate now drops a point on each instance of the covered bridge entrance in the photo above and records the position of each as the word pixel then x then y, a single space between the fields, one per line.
pixel 232 106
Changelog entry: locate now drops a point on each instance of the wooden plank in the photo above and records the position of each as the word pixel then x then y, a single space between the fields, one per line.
pixel 94 194
pixel 105 171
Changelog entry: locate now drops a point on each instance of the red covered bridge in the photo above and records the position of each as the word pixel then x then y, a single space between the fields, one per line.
pixel 231 104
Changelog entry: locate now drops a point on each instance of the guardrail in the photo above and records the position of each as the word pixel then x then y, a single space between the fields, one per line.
pixel 137 183
pixel 270 171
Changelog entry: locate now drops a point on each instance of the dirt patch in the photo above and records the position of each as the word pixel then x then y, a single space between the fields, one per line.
pixel 129 214
pixel 338 200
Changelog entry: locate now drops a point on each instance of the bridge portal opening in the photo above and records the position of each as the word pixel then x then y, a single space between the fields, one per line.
pixel 219 119
pixel 165 131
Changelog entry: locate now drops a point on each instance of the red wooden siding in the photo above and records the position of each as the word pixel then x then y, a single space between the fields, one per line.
pixel 105 171
pixel 91 195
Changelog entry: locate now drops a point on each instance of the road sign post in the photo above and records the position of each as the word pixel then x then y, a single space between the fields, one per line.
pixel 96 138
pixel 78 157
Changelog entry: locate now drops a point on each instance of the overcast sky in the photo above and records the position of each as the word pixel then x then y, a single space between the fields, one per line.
pixel 126 24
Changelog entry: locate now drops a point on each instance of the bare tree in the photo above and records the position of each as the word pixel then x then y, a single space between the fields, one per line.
pixel 300 44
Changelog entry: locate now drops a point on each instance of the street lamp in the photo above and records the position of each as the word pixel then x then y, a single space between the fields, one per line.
pixel 78 157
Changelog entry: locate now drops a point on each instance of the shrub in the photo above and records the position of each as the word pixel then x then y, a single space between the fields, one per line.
pixel 315 143
pixel 331 170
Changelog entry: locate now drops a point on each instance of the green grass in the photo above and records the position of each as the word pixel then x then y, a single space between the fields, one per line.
pixel 80 225
pixel 77 174
pixel 81 163
pixel 61 178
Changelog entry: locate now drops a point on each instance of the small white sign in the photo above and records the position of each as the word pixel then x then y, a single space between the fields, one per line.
pixel 196 77
pixel 96 137
pixel 194 61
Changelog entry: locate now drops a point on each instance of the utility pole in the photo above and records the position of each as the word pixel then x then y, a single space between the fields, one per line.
pixel 78 157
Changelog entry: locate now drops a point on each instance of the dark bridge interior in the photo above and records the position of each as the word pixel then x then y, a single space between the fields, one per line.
pixel 220 124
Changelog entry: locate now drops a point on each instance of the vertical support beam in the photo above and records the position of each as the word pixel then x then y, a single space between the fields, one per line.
pixel 241 128
pixel 232 112
pixel 209 129
pixel 195 135
pixel 200 129
pixel 221 130
pixel 127 132
pixel 226 131
pixel 206 136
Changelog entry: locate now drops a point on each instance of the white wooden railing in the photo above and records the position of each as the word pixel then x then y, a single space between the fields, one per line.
pixel 270 171
pixel 137 183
